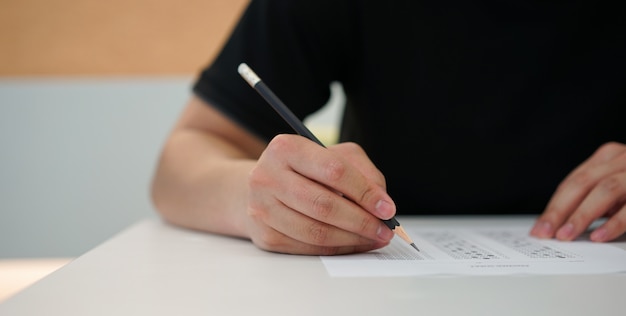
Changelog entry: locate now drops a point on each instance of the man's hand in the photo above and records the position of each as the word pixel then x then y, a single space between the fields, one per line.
pixel 307 199
pixel 596 188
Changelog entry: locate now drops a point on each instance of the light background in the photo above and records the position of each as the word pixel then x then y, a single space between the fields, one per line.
pixel 114 37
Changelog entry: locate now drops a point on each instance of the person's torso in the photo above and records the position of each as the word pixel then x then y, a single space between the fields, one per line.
pixel 484 107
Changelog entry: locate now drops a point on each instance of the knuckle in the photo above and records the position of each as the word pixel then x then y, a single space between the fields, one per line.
pixel 334 170
pixel 612 186
pixel 279 142
pixel 278 145
pixel 582 179
pixel 269 240
pixel 608 150
pixel 380 179
pixel 257 213
pixel 367 193
pixel 366 224
pixel 257 177
pixel 323 206
pixel 353 147
pixel 319 233
pixel 254 173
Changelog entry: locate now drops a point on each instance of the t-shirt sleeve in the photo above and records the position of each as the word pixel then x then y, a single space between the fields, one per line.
pixel 289 44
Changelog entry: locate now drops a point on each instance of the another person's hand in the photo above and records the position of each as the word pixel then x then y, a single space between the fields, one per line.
pixel 595 189
pixel 307 199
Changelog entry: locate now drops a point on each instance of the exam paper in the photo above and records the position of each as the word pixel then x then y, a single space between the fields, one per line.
pixel 479 251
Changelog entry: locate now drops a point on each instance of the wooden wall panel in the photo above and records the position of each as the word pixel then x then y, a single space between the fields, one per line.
pixel 112 37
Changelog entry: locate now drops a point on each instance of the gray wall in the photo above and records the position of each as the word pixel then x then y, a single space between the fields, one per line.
pixel 77 155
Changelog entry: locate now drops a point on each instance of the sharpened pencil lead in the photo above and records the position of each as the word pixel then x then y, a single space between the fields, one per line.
pixel 414 246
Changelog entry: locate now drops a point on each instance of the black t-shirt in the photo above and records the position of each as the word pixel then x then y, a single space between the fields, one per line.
pixel 467 107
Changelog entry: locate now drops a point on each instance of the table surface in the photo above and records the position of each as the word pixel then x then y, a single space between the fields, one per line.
pixel 153 268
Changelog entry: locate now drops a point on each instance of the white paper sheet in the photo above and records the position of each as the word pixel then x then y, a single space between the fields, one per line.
pixel 479 251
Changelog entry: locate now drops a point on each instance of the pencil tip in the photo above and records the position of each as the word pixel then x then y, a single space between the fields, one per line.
pixel 414 246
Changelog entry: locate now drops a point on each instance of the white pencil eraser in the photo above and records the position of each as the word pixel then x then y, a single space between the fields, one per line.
pixel 248 74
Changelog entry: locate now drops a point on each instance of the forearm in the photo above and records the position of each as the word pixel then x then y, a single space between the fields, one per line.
pixel 200 183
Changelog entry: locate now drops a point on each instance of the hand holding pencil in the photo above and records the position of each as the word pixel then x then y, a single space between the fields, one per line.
pixel 293 193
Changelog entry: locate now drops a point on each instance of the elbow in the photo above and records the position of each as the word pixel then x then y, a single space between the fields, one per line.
pixel 159 198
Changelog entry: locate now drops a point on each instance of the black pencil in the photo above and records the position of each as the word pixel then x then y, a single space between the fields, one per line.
pixel 255 82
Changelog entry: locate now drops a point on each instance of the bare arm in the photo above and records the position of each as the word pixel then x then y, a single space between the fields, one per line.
pixel 215 176
pixel 205 152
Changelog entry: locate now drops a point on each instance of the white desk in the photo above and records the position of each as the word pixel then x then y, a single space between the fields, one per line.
pixel 156 269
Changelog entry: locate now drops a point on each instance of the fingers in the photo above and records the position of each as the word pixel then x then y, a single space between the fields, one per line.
pixel 274 241
pixel 612 228
pixel 332 170
pixel 603 197
pixel 294 208
pixel 323 206
pixel 286 231
pixel 569 197
pixel 595 189
pixel 359 159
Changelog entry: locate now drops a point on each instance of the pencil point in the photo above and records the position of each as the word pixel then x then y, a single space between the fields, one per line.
pixel 414 246
pixel 402 233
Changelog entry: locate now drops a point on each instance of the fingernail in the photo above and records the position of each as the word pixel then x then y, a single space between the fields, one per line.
pixel 384 209
pixel 599 234
pixel 543 229
pixel 384 233
pixel 565 232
